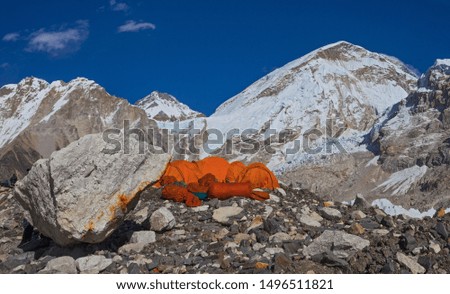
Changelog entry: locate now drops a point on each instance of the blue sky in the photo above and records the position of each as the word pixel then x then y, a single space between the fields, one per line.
pixel 204 52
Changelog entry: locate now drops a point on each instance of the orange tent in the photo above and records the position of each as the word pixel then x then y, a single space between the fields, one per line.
pixel 259 176
pixel 216 166
pixel 212 169
pixel 182 171
pixel 235 170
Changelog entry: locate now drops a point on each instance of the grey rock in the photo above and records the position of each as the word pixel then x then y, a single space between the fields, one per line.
pixel 223 214
pixel 200 208
pixel 17 260
pixel 271 226
pixel 435 247
pixel 261 236
pixel 441 230
pixel 369 224
pixel 361 202
pixel 135 268
pixel 281 191
pixel 380 232
pixel 358 215
pixel 83 191
pixel 388 268
pixel 162 220
pixel 330 213
pixel 329 259
pixel 310 221
pixel 410 263
pixel 339 243
pixel 61 265
pixel 388 222
pixel 132 248
pixel 407 242
pixel 267 211
pixel 282 264
pixel 274 250
pixel 274 198
pixel 279 237
pixel 292 247
pixel 380 212
pixel 426 261
pixel 145 237
pixel 93 264
pixel 141 216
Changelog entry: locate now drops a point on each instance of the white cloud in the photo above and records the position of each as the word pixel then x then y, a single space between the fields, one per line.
pixel 133 26
pixel 118 6
pixel 11 37
pixel 59 42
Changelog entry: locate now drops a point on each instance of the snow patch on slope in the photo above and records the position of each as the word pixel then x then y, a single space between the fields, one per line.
pixel 403 180
pixel 392 209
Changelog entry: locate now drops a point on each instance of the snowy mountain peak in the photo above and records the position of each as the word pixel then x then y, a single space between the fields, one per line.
pixel 435 75
pixel 165 107
pixel 445 62
pixel 339 78
pixel 32 83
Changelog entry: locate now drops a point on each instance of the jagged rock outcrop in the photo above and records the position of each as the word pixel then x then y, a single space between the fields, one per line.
pixel 414 142
pixel 419 131
pixel 83 191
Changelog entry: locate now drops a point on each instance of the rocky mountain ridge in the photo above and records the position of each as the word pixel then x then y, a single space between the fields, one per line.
pixel 38 118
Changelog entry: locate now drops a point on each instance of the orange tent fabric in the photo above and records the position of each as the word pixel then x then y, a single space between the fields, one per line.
pixel 202 173
pixel 183 171
pixel 224 191
pixel 180 194
pixel 259 176
pixel 216 166
pixel 235 170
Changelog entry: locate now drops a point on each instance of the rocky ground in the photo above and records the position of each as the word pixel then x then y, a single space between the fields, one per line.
pixel 294 232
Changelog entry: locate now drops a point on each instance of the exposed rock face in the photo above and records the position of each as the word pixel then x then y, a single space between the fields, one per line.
pixel 419 128
pixel 165 107
pixel 414 142
pixel 37 118
pixel 82 192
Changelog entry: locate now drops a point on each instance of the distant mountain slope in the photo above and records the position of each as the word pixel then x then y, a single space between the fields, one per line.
pixel 37 118
pixel 165 107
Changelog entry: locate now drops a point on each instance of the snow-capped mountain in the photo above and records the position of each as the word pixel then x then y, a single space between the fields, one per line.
pixel 37 117
pixel 340 80
pixel 165 107
pixel 341 83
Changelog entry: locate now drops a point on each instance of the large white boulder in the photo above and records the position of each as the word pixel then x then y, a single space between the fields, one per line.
pixel 82 192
